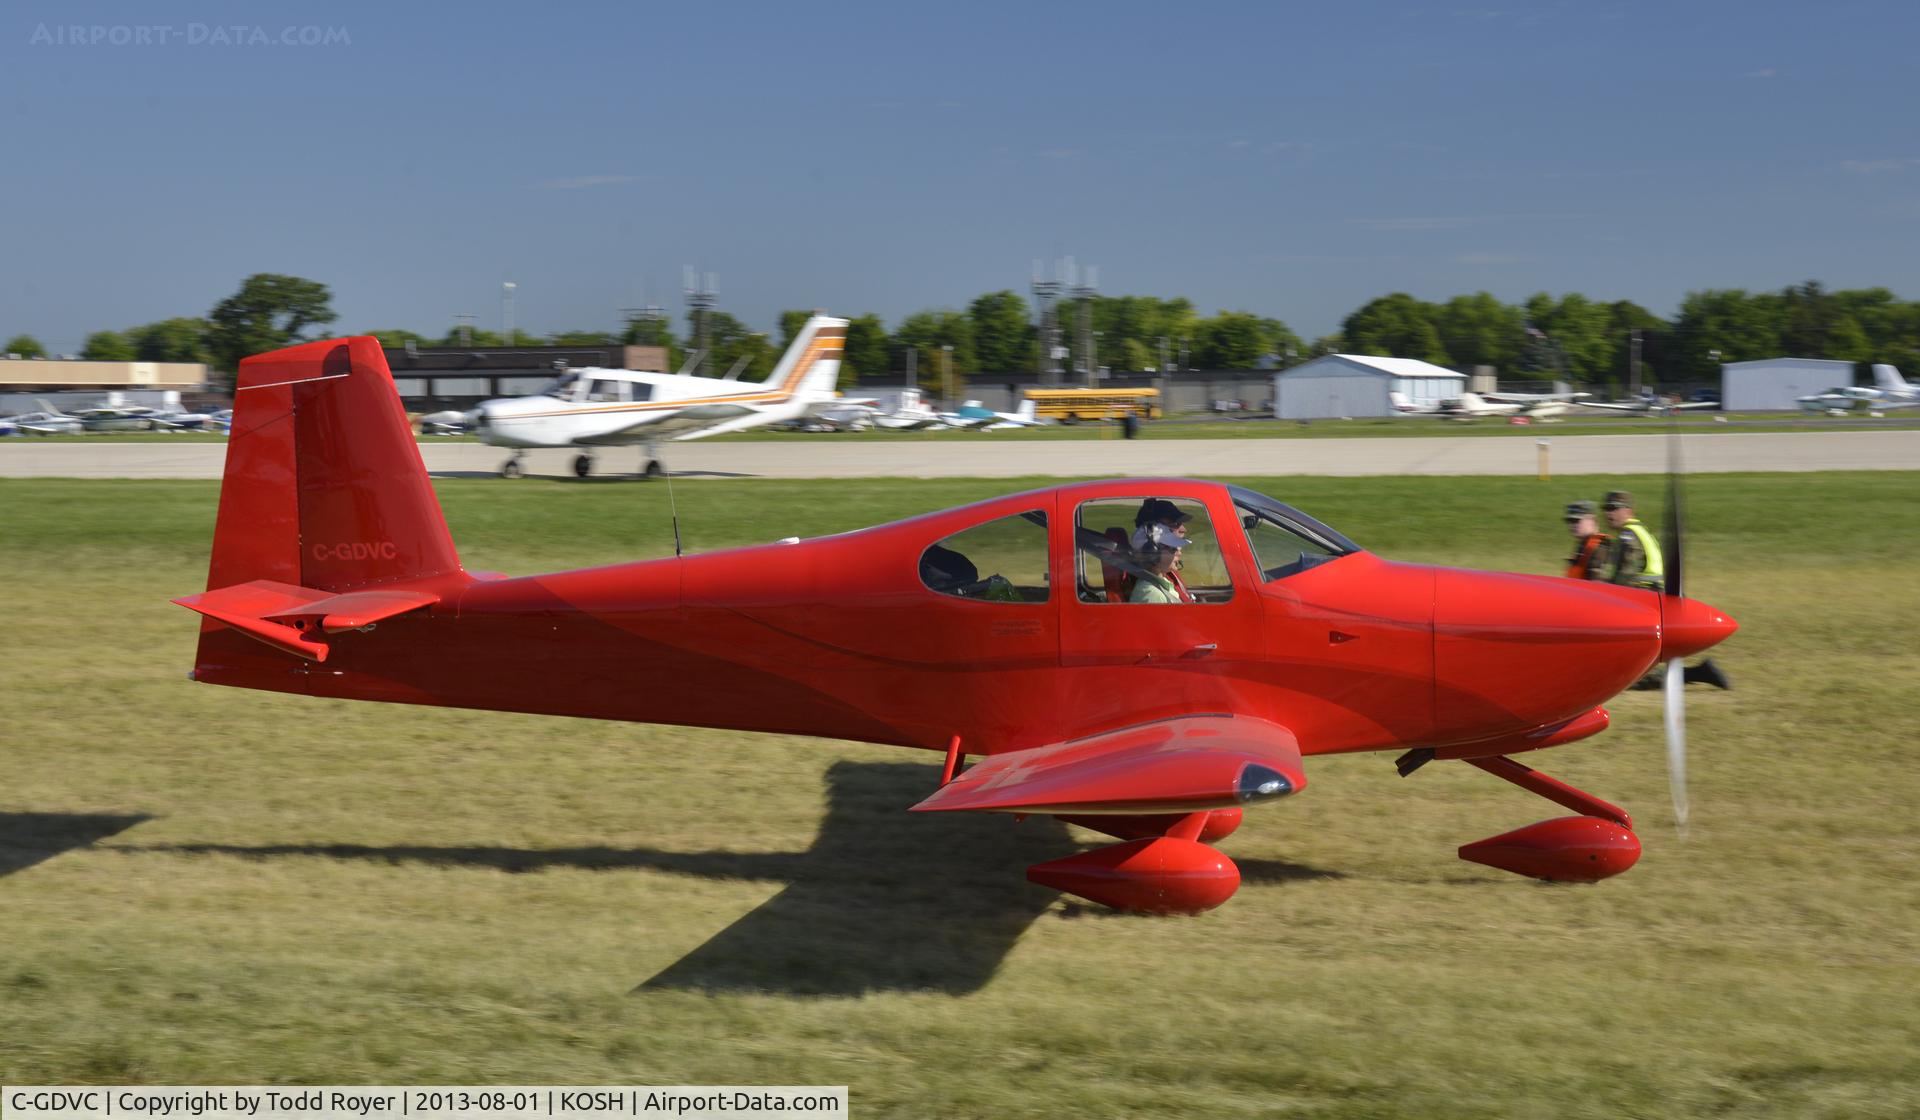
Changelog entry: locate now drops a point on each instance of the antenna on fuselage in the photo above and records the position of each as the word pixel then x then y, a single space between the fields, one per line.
pixel 673 512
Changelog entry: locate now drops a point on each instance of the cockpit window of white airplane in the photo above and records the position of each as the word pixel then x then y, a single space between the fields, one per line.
pixel 560 387
pixel 606 389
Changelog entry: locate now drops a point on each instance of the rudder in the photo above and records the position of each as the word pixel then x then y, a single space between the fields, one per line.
pixel 324 486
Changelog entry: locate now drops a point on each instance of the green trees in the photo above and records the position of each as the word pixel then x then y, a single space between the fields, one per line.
pixel 107 346
pixel 268 312
pixel 1479 330
pixel 866 354
pixel 172 340
pixel 1395 326
pixel 24 345
pixel 1003 336
pixel 927 333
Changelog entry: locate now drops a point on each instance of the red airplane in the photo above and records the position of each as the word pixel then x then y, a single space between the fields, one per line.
pixel 1006 630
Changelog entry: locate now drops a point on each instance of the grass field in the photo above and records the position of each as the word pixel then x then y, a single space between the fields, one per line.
pixel 211 885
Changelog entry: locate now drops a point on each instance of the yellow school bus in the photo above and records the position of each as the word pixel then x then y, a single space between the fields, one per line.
pixel 1071 405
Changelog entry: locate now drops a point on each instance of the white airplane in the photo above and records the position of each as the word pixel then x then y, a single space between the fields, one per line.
pixel 978 417
pixel 1474 406
pixel 49 421
pixel 594 408
pixel 1647 403
pixel 1890 390
pixel 903 412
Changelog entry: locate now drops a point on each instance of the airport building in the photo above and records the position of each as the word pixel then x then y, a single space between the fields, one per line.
pixel 60 375
pixel 431 378
pixel 1341 385
pixel 1777 384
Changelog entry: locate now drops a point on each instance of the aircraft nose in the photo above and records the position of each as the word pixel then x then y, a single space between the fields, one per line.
pixel 1688 626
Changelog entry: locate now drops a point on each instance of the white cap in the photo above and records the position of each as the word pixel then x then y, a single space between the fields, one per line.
pixel 1156 535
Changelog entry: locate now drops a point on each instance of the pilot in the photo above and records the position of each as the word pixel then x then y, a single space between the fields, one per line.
pixel 1589 543
pixel 1638 562
pixel 1156 547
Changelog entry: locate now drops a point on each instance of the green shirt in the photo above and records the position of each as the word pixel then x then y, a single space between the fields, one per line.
pixel 1153 589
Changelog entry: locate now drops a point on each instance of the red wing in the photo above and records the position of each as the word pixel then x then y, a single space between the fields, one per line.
pixel 1172 766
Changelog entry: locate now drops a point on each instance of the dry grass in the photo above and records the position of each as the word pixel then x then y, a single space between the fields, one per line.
pixel 211 885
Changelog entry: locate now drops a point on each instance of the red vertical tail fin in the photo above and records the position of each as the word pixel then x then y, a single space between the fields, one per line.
pixel 324 485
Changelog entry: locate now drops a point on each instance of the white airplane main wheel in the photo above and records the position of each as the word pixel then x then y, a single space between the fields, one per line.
pixel 511 468
pixel 582 466
pixel 653 469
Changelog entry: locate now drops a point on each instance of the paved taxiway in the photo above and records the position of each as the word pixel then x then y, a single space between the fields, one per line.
pixel 953 458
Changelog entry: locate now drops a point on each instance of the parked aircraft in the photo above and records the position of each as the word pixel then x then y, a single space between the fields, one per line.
pixel 977 416
pixel 595 408
pixel 1889 390
pixel 49 421
pixel 1001 630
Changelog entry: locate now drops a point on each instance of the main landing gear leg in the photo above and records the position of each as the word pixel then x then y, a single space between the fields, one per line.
pixel 1596 845
pixel 582 465
pixel 512 468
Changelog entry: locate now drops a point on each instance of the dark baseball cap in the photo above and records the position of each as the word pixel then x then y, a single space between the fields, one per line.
pixel 1577 510
pixel 1617 499
pixel 1160 509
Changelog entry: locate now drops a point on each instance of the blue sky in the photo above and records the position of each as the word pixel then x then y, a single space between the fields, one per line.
pixel 1289 159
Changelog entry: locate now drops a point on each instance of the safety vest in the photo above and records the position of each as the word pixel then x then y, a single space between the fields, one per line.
pixel 1585 557
pixel 1655 572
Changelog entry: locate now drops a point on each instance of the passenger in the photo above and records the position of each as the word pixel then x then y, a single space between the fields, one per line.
pixel 1156 547
pixel 1589 543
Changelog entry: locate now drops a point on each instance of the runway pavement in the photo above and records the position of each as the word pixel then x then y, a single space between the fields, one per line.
pixel 850 458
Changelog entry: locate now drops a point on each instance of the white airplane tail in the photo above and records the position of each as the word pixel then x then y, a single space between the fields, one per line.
pixel 811 366
pixel 1888 378
pixel 1025 411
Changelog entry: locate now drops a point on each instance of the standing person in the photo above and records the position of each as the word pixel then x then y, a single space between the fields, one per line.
pixel 1589 543
pixel 1637 559
pixel 1638 562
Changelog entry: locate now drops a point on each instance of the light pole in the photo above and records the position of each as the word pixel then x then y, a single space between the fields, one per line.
pixel 946 373
pixel 506 313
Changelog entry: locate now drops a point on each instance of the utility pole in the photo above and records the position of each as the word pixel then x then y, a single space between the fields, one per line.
pixel 466 329
pixel 1163 353
pixel 1633 362
pixel 506 313
pixel 700 300
pixel 1084 293
pixel 913 354
pixel 1046 295
pixel 946 373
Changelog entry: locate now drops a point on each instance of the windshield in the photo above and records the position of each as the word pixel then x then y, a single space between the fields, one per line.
pixel 561 386
pixel 1284 540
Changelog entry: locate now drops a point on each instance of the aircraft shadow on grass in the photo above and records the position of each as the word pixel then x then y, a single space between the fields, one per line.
pixel 27 839
pixel 883 900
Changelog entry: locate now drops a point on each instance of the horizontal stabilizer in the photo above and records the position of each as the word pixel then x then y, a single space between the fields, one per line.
pixel 1171 766
pixel 298 620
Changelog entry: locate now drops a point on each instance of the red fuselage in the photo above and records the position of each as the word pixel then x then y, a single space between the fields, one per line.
pixel 838 637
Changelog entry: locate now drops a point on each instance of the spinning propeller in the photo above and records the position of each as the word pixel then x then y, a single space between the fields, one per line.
pixel 1676 685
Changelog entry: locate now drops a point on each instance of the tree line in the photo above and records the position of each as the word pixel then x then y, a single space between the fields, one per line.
pixel 1569 337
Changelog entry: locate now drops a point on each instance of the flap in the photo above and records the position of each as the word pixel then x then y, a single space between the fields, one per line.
pixel 1170 766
